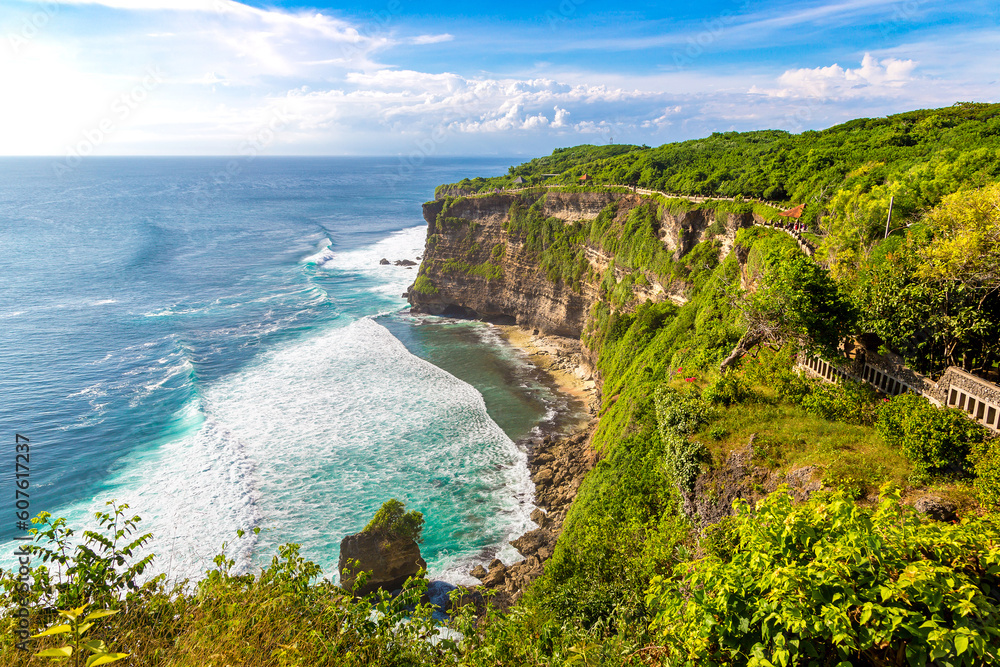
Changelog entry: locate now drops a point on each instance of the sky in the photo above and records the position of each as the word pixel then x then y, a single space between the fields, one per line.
pixel 442 78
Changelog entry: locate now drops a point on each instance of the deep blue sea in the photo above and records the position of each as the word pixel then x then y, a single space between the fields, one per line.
pixel 215 343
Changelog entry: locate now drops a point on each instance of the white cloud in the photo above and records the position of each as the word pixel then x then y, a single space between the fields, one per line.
pixel 873 79
pixel 407 102
pixel 432 39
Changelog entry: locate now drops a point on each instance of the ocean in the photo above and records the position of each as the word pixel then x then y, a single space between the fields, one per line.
pixel 215 343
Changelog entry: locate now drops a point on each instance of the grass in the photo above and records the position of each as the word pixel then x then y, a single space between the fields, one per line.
pixel 788 438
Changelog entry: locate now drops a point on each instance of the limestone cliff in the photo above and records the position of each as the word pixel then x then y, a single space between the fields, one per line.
pixel 473 267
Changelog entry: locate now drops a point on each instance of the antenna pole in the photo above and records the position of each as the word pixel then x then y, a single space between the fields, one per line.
pixel 887 220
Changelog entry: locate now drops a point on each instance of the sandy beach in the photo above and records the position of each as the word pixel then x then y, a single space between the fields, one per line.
pixel 561 359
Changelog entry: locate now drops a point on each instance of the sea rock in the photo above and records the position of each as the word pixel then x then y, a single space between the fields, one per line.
pixel 405 262
pixel 391 561
pixel 497 575
pixel 533 542
pixel 384 262
pixel 538 516
pixel 479 572
pixel 543 477
pixel 936 508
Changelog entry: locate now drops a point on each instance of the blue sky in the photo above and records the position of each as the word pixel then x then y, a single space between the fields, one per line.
pixel 400 77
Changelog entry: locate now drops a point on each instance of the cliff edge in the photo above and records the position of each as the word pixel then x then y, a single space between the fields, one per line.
pixel 478 263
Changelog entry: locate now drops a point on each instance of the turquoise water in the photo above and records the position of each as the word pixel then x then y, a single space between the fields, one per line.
pixel 224 351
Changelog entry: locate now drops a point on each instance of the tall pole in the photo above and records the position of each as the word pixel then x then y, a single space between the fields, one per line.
pixel 887 220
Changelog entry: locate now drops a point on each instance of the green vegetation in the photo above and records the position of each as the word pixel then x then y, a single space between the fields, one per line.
pixel 423 285
pixel 788 298
pixel 828 582
pixel 935 439
pixel 77 627
pixel 394 521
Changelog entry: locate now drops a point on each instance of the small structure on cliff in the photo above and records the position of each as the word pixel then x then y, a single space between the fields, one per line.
pixel 386 549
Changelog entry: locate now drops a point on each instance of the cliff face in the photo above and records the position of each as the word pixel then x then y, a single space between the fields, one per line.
pixel 473 267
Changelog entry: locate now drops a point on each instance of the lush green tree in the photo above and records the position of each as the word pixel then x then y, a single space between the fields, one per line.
pixel 789 298
pixel 933 323
pixel 966 244
pixel 393 520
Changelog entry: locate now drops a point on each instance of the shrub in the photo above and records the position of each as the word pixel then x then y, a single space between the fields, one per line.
pixel 827 582
pixel 934 439
pixel 987 469
pixel 678 413
pixel 101 569
pixel 728 389
pixel 677 416
pixel 393 520
pixel 847 401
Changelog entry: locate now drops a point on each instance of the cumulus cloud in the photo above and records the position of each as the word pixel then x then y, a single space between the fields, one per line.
pixel 873 78
pixel 408 102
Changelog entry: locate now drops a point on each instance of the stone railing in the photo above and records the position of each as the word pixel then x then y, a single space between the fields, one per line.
pixel 979 399
pixel 975 396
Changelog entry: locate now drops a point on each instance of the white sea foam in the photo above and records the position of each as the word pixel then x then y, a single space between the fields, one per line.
pixel 312 436
pixel 392 280
pixel 308 441
pixel 337 423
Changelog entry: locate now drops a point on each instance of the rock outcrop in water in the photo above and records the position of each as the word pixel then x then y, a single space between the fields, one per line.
pixel 390 560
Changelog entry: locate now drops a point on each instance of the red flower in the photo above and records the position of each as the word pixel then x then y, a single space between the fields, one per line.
pixel 689 379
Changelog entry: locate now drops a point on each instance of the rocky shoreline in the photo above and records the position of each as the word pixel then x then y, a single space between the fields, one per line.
pixel 557 464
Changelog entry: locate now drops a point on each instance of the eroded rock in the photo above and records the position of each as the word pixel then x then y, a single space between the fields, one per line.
pixel 937 508
pixel 391 561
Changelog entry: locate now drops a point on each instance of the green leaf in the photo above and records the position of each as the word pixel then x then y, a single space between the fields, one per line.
pixel 866 613
pixel 73 614
pixel 55 630
pixel 961 644
pixel 97 646
pixel 100 613
pixel 56 653
pixel 105 659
